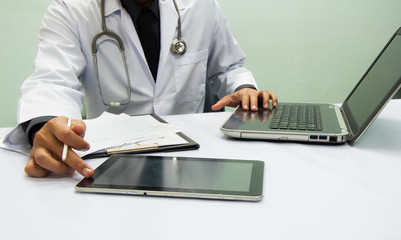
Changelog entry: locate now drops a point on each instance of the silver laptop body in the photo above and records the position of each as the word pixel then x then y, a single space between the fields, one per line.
pixel 326 123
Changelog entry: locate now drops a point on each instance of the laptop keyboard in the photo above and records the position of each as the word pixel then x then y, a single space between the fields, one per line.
pixel 297 117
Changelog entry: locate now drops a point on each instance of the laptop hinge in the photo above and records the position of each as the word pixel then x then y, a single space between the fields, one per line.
pixel 343 121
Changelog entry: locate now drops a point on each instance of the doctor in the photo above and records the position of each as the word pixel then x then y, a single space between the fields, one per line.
pixel 131 56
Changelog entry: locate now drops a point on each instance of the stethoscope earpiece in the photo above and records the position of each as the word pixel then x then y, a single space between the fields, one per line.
pixel 178 47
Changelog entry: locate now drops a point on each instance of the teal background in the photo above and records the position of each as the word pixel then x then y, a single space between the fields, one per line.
pixel 309 50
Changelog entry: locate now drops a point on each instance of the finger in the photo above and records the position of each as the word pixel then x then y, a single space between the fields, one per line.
pixel 45 160
pixel 46 144
pixel 67 135
pixel 218 105
pixel 73 162
pixel 73 136
pixel 34 170
pixel 274 99
pixel 231 100
pixel 79 127
pixel 266 98
pixel 47 153
pixel 245 101
pixel 254 102
pixel 46 163
pixel 78 164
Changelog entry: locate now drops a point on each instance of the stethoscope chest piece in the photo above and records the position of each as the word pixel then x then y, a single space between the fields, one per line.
pixel 178 47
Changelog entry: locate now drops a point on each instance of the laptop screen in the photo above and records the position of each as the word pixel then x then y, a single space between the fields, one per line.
pixel 376 86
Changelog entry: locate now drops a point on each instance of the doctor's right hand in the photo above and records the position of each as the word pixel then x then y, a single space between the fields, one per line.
pixel 46 154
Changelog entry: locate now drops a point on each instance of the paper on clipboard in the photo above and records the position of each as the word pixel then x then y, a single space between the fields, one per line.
pixel 113 133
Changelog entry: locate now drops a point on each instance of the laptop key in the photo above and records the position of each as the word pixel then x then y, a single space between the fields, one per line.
pixel 297 117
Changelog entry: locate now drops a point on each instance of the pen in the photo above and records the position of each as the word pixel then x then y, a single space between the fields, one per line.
pixel 65 148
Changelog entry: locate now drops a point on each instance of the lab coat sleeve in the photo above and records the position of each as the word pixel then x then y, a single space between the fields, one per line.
pixel 226 59
pixel 54 88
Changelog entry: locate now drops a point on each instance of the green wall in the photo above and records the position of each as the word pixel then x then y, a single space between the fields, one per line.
pixel 20 21
pixel 311 50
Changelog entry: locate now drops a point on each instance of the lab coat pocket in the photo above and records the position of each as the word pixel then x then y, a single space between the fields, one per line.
pixel 190 76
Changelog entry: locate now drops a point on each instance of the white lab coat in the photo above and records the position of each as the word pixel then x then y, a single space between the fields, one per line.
pixel 64 71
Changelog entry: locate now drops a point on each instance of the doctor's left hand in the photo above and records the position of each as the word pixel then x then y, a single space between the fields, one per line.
pixel 45 156
pixel 248 98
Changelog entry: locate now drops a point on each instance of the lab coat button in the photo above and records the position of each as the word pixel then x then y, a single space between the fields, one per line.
pixel 156 101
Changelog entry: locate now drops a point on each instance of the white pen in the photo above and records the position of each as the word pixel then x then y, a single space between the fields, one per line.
pixel 65 148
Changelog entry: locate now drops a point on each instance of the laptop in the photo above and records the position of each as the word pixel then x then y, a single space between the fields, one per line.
pixel 321 122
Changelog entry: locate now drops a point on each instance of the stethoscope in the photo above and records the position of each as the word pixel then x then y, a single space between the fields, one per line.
pixel 178 47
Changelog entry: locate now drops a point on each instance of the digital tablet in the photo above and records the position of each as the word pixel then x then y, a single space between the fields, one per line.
pixel 177 177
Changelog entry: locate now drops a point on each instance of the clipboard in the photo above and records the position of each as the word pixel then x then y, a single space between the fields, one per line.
pixel 136 148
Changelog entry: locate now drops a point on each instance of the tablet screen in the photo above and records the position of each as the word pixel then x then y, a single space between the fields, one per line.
pixel 178 176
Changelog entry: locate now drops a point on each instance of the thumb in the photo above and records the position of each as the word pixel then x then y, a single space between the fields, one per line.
pixel 217 106
pixel 79 127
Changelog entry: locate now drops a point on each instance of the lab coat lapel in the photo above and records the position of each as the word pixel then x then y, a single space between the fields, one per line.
pixel 168 29
pixel 115 5
pixel 132 34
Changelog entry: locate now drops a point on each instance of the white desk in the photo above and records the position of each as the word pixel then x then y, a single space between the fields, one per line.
pixel 310 192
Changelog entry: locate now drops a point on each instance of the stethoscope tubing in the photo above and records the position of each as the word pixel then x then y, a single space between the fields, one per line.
pixel 178 47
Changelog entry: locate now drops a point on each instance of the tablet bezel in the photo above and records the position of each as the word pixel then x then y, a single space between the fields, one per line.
pixel 255 192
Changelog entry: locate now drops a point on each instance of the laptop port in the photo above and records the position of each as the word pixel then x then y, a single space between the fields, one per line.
pixel 323 137
pixel 333 139
pixel 314 137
